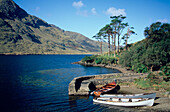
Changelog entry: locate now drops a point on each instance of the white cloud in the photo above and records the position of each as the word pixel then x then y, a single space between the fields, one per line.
pixel 115 12
pixel 93 10
pixel 163 20
pixel 78 4
pixel 37 9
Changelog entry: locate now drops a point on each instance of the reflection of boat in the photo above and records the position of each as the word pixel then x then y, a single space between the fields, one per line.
pixel 143 95
pixel 105 89
pixel 130 102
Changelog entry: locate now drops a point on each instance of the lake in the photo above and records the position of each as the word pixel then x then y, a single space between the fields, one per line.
pixel 39 83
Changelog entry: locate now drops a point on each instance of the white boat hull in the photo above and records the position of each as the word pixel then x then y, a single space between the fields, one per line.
pixel 148 102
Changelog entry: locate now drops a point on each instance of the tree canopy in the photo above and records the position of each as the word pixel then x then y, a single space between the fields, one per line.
pixel 151 53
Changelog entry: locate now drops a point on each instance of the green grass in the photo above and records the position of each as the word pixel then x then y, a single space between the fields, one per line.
pixel 143 83
pixel 147 84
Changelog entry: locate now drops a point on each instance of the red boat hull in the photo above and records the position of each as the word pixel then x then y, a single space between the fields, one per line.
pixel 106 89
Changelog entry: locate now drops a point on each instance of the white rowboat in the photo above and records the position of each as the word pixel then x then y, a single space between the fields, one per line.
pixel 128 102
pixel 144 95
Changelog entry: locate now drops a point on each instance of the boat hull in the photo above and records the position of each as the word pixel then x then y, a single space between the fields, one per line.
pixel 148 102
pixel 109 88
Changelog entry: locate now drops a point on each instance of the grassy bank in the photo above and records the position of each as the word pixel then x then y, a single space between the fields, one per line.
pixel 158 81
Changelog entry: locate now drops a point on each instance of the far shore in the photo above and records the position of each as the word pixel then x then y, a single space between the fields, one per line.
pixel 47 53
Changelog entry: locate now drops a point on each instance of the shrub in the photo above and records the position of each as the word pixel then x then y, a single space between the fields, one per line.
pixel 155 78
pixel 165 85
pixel 125 59
pixel 98 60
pixel 88 59
pixel 111 60
pixel 104 61
pixel 165 72
pixel 140 68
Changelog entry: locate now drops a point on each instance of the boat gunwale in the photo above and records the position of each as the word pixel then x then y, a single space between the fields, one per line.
pixel 127 95
pixel 140 99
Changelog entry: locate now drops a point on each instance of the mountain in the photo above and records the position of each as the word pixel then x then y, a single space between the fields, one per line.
pixel 21 33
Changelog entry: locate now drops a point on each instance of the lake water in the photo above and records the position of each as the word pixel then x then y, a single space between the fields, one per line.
pixel 39 83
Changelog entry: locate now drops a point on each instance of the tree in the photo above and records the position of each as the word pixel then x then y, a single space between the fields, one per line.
pixel 113 24
pixel 127 36
pixel 120 30
pixel 100 36
pixel 157 31
pixel 118 27
pixel 151 53
pixel 108 31
pixel 158 50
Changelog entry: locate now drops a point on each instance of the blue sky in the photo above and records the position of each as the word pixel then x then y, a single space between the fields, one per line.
pixel 89 16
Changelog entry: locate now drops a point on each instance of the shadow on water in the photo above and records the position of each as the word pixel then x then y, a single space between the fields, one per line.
pixel 73 100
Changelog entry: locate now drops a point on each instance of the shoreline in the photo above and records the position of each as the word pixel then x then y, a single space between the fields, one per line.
pixel 161 103
pixel 117 67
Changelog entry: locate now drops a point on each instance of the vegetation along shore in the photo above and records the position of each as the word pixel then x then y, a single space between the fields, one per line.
pixel 150 56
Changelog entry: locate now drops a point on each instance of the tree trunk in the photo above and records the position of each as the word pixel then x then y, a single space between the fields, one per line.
pixel 118 44
pixel 115 45
pixel 127 38
pixel 126 43
pixel 101 47
pixel 108 44
pixel 112 41
pixel 118 39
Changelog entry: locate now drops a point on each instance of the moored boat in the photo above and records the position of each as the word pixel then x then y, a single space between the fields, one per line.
pixel 105 89
pixel 127 102
pixel 143 95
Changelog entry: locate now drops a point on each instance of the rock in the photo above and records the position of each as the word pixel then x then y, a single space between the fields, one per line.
pixel 76 63
pixel 167 94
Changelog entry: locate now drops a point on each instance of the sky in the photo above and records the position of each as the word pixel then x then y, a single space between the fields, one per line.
pixel 89 16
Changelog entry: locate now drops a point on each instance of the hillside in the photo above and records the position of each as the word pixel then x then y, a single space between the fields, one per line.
pixel 21 33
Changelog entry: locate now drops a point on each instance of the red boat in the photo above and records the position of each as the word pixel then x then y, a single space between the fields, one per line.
pixel 111 87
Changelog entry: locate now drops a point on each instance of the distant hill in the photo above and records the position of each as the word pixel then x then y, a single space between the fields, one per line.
pixel 21 33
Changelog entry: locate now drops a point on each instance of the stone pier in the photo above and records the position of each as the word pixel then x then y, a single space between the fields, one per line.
pixel 83 85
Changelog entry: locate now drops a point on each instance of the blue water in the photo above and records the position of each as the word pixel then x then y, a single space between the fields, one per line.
pixel 39 83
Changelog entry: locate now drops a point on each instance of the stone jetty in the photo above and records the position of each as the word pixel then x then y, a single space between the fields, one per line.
pixel 83 85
